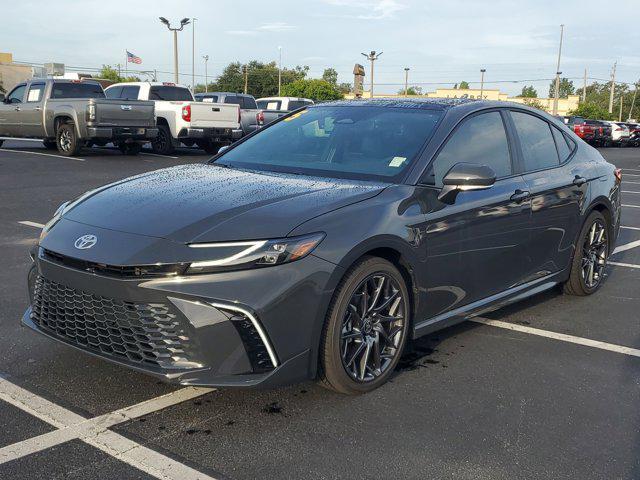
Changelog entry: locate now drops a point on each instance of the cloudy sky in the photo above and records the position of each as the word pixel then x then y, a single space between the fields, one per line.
pixel 443 42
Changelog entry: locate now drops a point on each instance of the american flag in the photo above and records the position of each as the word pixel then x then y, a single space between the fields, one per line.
pixel 131 58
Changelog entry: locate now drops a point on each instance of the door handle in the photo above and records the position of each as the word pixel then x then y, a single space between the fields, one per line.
pixel 37 109
pixel 520 196
pixel 17 109
pixel 579 181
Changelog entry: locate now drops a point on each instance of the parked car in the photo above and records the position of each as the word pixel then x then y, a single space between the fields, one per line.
pixel 181 119
pixel 69 114
pixel 634 133
pixel 321 245
pixel 620 134
pixel 276 107
pixel 249 110
pixel 602 133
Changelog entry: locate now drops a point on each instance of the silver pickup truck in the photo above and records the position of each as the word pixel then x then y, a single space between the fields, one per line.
pixel 275 107
pixel 69 114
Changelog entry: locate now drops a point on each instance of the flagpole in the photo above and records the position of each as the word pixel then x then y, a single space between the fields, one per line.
pixel 126 60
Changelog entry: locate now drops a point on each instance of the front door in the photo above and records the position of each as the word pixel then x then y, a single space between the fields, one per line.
pixel 476 247
pixel 10 112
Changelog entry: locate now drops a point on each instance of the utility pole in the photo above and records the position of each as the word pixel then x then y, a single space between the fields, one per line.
pixel 621 102
pixel 193 54
pixel 633 102
pixel 406 81
pixel 246 79
pixel 558 72
pixel 482 70
pixel 279 70
pixel 183 22
pixel 155 75
pixel 372 57
pixel 613 87
pixel 584 88
pixel 206 79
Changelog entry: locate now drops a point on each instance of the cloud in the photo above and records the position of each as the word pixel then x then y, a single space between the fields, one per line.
pixel 277 27
pixel 242 32
pixel 370 9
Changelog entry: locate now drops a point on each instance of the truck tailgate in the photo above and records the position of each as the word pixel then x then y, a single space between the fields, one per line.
pixel 125 113
pixel 214 115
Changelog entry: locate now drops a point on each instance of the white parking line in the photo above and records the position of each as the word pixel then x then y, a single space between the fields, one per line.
pixel 628 191
pixel 94 431
pixel 626 246
pixel 632 206
pixel 629 228
pixel 560 336
pixel 620 264
pixel 38 140
pixel 635 183
pixel 158 155
pixel 31 224
pixel 630 170
pixel 632 175
pixel 43 154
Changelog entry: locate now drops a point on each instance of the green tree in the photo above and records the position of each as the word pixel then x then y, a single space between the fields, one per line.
pixel 463 85
pixel 109 73
pixel 566 88
pixel 344 88
pixel 411 91
pixel 315 89
pixel 591 110
pixel 528 92
pixel 262 78
pixel 534 102
pixel 330 75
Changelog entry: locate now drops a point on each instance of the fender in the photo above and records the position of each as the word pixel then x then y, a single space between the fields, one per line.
pixel 62 111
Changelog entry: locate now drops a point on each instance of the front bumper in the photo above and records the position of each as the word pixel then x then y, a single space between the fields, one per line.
pixel 122 133
pixel 212 134
pixel 245 329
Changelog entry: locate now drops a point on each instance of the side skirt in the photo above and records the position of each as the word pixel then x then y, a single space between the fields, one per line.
pixel 494 302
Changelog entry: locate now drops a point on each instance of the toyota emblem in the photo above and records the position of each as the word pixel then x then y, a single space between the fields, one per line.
pixel 85 241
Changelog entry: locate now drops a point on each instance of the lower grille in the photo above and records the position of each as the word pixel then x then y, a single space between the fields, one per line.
pixel 144 333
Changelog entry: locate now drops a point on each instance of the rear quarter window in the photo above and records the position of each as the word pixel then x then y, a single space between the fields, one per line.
pixel 77 90
pixel 536 140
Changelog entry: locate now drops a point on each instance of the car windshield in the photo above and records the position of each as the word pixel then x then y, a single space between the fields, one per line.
pixel 360 142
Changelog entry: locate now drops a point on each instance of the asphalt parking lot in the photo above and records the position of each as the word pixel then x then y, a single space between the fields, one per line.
pixel 549 388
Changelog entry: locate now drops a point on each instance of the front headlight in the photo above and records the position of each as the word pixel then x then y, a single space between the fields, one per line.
pixel 254 254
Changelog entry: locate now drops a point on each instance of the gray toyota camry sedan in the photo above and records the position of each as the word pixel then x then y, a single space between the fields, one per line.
pixel 321 245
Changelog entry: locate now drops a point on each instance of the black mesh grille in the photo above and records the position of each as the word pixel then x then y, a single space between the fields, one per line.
pixel 253 344
pixel 144 333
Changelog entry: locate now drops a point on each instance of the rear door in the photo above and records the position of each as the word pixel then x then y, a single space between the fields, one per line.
pixel 10 112
pixel 31 111
pixel 557 190
pixel 477 247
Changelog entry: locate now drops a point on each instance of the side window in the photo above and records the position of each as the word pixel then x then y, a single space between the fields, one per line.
pixel 562 142
pixel 232 99
pixel 36 90
pixel 480 140
pixel 130 92
pixel 17 94
pixel 538 148
pixel 113 92
pixel 250 103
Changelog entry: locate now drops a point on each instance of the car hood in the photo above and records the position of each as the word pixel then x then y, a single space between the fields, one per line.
pixel 208 203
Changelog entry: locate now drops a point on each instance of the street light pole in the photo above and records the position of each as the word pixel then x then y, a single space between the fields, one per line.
pixel 557 93
pixel 406 81
pixel 183 22
pixel 613 87
pixel 193 54
pixel 206 80
pixel 372 57
pixel 482 70
pixel 279 70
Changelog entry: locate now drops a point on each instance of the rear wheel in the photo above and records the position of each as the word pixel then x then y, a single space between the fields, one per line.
pixel 50 144
pixel 590 257
pixel 366 328
pixel 163 143
pixel 130 148
pixel 67 140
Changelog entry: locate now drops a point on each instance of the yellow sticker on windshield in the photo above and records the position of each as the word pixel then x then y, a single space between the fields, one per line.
pixel 397 161
pixel 295 115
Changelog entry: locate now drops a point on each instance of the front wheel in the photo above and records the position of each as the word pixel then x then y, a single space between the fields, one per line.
pixel 590 257
pixel 67 140
pixel 366 328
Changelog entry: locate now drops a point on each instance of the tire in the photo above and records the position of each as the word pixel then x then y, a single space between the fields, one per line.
pixel 163 143
pixel 340 365
pixel 130 148
pixel 50 144
pixel 209 146
pixel 587 252
pixel 67 140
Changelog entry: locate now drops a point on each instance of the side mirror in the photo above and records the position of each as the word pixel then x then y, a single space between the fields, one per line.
pixel 464 177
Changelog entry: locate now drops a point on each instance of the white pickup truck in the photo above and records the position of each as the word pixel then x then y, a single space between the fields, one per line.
pixel 180 119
